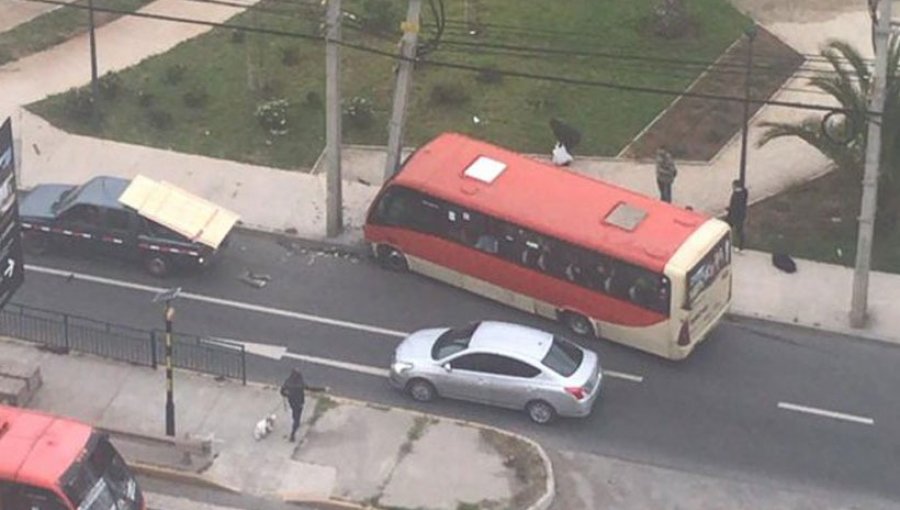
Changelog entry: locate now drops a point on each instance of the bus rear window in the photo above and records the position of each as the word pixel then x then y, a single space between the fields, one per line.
pixel 564 357
pixel 706 271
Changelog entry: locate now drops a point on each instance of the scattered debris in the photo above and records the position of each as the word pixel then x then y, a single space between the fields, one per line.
pixel 255 280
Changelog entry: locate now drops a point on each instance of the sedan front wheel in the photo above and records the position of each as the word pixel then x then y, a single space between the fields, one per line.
pixel 421 390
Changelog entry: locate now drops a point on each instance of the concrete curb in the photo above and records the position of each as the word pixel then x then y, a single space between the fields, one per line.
pixel 183 477
pixel 860 334
pixel 337 246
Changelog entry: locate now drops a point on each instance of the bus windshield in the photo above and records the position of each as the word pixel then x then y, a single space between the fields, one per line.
pixel 102 480
pixel 706 271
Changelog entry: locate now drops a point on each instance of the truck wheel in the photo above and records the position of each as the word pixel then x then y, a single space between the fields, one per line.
pixel 157 265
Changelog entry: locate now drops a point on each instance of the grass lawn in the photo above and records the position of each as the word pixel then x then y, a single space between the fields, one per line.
pixel 57 26
pixel 817 221
pixel 221 68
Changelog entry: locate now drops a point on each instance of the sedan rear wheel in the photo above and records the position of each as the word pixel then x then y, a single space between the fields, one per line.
pixel 540 412
pixel 421 390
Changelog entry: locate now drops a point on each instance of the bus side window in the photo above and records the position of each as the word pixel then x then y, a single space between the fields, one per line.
pixel 600 274
pixel 488 237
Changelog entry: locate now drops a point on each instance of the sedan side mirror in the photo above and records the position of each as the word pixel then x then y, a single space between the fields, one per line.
pixel 446 366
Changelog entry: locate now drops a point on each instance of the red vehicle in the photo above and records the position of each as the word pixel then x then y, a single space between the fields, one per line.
pixel 603 260
pixel 53 463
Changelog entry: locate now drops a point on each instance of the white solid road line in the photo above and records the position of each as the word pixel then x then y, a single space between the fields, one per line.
pixel 826 413
pixel 273 311
pixel 219 301
pixel 353 367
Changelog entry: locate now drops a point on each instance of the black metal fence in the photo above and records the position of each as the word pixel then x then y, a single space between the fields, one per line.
pixel 64 332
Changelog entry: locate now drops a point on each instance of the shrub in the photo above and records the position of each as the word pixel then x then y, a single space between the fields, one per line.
pixel 196 98
pixel 489 75
pixel 160 119
pixel 146 99
pixel 238 36
pixel 174 74
pixel 359 112
pixel 273 116
pixel 290 56
pixel 448 94
pixel 671 19
pixel 313 100
pixel 380 16
pixel 78 104
pixel 110 84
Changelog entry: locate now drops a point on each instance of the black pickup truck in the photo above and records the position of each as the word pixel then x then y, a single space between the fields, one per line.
pixel 92 217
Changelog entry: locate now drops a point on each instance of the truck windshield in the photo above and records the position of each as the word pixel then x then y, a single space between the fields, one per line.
pixel 101 480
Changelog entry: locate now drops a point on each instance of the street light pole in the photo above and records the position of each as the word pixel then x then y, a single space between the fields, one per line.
pixel 167 296
pixel 751 34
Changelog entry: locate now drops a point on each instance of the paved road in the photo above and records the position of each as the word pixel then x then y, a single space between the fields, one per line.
pixel 737 407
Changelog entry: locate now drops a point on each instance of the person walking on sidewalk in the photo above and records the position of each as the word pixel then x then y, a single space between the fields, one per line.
pixel 294 390
pixel 665 174
pixel 737 212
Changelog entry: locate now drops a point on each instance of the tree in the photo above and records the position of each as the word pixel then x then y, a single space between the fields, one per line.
pixel 851 85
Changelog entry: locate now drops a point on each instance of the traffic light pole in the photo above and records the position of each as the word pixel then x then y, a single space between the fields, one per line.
pixel 170 383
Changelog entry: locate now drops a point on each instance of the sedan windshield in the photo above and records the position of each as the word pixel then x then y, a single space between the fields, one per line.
pixel 564 357
pixel 453 341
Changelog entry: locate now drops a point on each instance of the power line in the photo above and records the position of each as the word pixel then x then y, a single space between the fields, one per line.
pixel 462 67
pixel 531 31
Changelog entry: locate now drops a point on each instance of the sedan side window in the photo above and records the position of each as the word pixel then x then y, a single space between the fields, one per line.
pixel 503 365
pixel 472 362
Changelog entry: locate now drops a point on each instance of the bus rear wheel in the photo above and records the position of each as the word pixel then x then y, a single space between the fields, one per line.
pixel 578 324
pixel 392 258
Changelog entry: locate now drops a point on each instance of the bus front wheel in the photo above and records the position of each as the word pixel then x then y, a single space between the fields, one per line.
pixel 392 258
pixel 578 324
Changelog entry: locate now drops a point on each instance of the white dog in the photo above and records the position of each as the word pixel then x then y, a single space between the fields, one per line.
pixel 264 427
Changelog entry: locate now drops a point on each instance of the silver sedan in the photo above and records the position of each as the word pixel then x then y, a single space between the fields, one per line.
pixel 501 364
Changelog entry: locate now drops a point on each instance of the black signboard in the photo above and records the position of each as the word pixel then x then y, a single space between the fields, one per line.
pixel 12 270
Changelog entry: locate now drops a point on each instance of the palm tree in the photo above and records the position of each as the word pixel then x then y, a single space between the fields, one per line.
pixel 851 85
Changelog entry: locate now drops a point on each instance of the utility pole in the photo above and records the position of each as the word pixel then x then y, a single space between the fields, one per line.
pixel 401 91
pixel 95 96
pixel 868 208
pixel 334 219
pixel 751 35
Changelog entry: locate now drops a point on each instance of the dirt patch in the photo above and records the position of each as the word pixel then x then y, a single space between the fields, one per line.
pixel 697 129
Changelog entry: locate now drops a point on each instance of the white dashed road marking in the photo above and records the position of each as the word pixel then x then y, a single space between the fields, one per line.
pixel 826 413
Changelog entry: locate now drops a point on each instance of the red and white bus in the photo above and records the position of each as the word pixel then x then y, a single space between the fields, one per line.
pixel 53 463
pixel 603 260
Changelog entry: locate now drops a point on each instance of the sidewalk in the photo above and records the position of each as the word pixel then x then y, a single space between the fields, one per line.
pixel 347 452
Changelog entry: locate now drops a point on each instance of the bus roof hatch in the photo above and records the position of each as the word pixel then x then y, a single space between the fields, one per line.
pixel 485 169
pixel 625 216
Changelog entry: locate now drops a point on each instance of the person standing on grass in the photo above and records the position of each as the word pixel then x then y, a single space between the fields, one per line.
pixel 665 174
pixel 294 390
